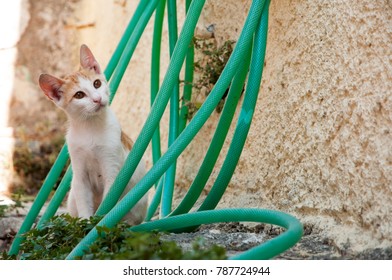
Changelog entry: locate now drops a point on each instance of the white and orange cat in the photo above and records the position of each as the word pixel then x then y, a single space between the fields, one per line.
pixel 97 145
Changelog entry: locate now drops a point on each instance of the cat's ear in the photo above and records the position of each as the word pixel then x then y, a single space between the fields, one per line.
pixel 87 59
pixel 51 87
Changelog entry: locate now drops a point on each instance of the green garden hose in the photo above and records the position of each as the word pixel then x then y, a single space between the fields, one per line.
pixel 247 58
pixel 169 177
pixel 155 71
pixel 188 81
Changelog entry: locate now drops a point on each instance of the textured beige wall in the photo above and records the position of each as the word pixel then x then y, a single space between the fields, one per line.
pixel 322 133
pixel 320 146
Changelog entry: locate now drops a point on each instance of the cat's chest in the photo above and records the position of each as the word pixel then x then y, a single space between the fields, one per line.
pixel 94 155
pixel 97 134
pixel 95 147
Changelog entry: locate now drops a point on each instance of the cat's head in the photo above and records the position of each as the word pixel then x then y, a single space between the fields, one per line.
pixel 82 95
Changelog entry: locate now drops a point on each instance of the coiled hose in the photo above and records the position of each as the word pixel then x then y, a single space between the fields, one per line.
pixel 247 59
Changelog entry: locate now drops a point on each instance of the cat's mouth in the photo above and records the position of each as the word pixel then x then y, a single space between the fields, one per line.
pixel 100 106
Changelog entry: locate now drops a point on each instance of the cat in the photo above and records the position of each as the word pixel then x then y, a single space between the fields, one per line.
pixel 97 145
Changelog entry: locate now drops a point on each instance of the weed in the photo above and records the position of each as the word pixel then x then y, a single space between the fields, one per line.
pixel 61 234
pixel 18 204
pixel 3 210
pixel 212 60
pixel 32 161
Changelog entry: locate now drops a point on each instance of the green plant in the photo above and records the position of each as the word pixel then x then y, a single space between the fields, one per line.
pixel 212 60
pixel 32 160
pixel 61 234
pixel 56 238
pixel 121 244
pixel 18 204
pixel 3 210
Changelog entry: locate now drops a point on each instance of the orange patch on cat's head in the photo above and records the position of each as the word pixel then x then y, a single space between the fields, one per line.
pixel 71 82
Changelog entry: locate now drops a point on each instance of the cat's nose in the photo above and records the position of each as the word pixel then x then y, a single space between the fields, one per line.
pixel 97 100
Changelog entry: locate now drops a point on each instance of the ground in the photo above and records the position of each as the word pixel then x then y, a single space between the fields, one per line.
pixel 236 238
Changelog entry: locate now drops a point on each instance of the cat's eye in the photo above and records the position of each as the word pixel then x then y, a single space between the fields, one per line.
pixel 79 95
pixel 97 83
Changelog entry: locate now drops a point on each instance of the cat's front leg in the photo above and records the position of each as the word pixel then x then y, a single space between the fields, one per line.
pixel 111 173
pixel 110 167
pixel 71 204
pixel 82 197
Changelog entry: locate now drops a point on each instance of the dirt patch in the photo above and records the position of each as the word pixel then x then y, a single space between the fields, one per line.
pixel 237 238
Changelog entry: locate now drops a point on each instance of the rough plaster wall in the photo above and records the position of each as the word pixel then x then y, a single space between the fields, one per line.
pixel 320 146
